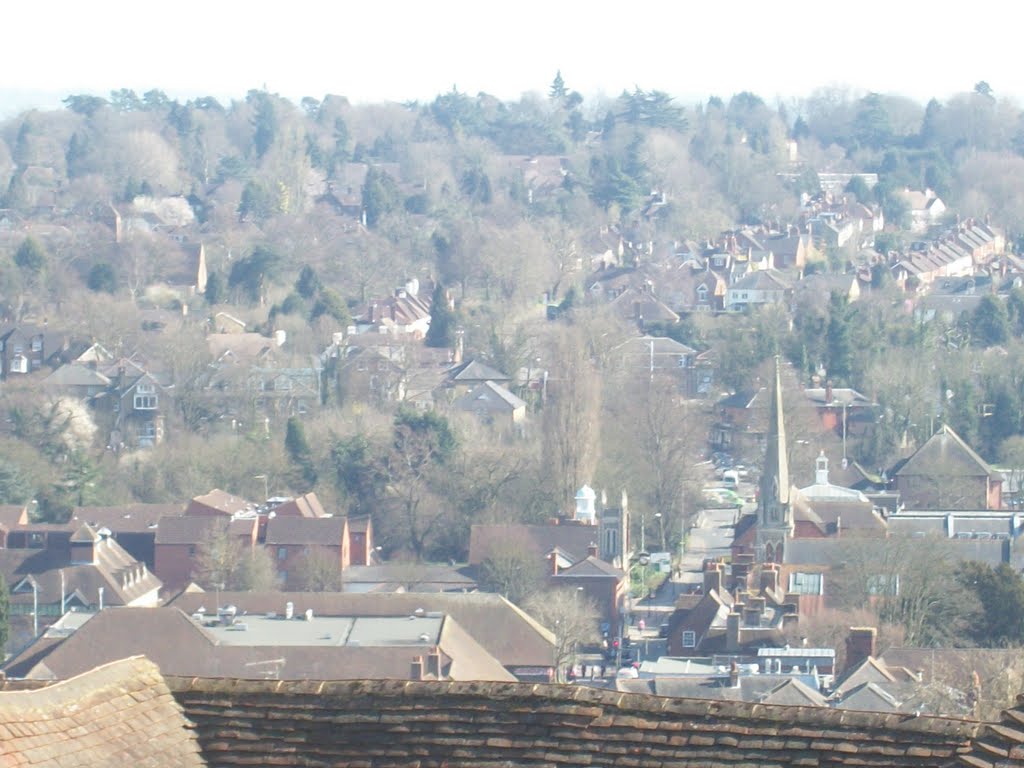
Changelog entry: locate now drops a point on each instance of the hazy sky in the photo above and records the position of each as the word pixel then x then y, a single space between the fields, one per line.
pixel 375 50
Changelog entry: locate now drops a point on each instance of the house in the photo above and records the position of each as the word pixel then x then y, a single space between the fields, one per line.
pixel 405 314
pixel 841 410
pixel 295 542
pixel 133 526
pixel 492 404
pixel 602 582
pixel 179 543
pixel 719 621
pixel 945 473
pixel 468 375
pixel 926 208
pixel 83 571
pixel 25 349
pixel 763 286
pixel 641 358
pixel 371 374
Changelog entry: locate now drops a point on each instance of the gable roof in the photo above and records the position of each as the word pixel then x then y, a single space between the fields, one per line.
pixel 947 452
pixel 120 713
pixel 590 567
pixel 326 531
pixel 306 505
pixel 474 371
pixel 488 540
pixel 489 396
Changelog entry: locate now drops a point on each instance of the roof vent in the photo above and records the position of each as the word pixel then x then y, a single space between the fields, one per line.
pixel 419 613
pixel 309 614
pixel 424 638
pixel 289 610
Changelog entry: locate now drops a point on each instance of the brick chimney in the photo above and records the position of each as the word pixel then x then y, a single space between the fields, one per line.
pixel 713 578
pixel 553 557
pixel 828 392
pixel 769 577
pixel 416 668
pixel 592 549
pixel 433 663
pixel 734 674
pixel 860 644
pixel 732 632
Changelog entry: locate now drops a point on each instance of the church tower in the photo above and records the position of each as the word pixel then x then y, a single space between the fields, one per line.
pixel 774 521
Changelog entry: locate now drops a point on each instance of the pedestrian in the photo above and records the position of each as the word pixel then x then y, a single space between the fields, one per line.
pixel 641 624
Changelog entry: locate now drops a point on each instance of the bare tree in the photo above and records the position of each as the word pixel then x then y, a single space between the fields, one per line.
pixel 319 572
pixel 571 616
pixel 571 421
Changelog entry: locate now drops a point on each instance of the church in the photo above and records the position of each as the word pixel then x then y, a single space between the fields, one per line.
pixel 785 512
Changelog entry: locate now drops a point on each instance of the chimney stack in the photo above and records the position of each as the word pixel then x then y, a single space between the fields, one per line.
pixel 592 549
pixel 713 578
pixel 732 632
pixel 769 577
pixel 416 669
pixel 860 644
pixel 828 392
pixel 433 665
pixel 734 674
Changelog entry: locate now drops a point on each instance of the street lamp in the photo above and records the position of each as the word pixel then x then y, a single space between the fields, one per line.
pixel 661 530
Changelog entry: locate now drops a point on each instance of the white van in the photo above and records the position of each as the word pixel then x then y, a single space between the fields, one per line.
pixel 731 479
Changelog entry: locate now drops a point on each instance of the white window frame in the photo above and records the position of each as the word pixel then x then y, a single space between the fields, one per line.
pixel 144 402
pixel 689 638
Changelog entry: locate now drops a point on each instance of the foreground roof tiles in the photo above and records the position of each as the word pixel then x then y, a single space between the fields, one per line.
pixel 120 714
pixel 459 725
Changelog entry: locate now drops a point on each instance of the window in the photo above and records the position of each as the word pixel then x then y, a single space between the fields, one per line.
pixel 145 388
pixel 37 345
pixel 883 584
pixel 191 550
pixel 282 553
pixel 689 639
pixel 807 583
pixel 19 363
pixel 144 402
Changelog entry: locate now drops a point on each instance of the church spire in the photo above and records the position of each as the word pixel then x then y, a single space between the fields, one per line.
pixel 775 480
pixel 773 518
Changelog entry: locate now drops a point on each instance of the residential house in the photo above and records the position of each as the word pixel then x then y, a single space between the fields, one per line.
pixel 643 358
pixel 926 208
pixel 360 547
pixel 222 322
pixel 297 543
pixel 945 473
pixel 601 582
pixel 720 621
pixel 815 290
pixel 179 543
pixel 372 373
pixel 763 286
pixel 218 503
pixel 25 349
pixel 492 404
pixel 405 314
pixel 466 376
pixel 842 410
pixel 640 305
pixel 132 526
pixel 11 516
pixel 792 250
pixel 84 571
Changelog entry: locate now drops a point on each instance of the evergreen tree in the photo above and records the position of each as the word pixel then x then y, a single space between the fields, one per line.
pixel 558 91
pixel 297 446
pixel 442 320
pixel 30 256
pixel 990 323
pixel 102 279
pixel 308 282
pixel 214 288
pixel 839 349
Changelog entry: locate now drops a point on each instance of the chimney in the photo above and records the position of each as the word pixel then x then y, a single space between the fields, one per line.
pixel 416 668
pixel 713 578
pixel 734 674
pixel 553 557
pixel 769 577
pixel 592 549
pixel 860 644
pixel 751 616
pixel 289 610
pixel 828 392
pixel 791 602
pixel 433 663
pixel 732 632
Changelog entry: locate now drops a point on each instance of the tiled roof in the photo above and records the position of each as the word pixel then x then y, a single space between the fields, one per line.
pixel 948 451
pixel 327 531
pixel 486 540
pixel 134 518
pixel 120 714
pixel 460 725
pixel 500 627
pixel 474 371
pixel 1000 744
pixel 220 501
pixel 307 505
pixel 489 396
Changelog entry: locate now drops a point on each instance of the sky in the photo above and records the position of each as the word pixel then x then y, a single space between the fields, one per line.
pixel 400 50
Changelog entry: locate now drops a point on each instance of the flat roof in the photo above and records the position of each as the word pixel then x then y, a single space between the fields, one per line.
pixel 370 632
